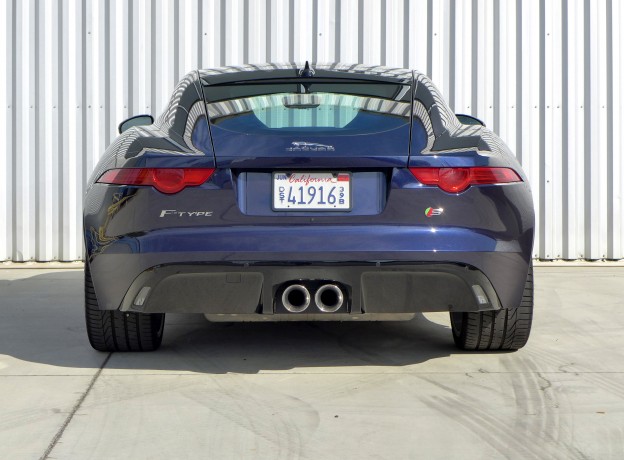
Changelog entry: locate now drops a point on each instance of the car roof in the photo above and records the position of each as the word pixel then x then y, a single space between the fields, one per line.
pixel 250 72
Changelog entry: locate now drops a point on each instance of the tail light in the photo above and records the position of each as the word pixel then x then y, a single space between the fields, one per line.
pixel 456 180
pixel 165 180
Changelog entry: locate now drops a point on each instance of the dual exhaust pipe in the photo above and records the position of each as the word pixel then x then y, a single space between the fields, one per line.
pixel 297 298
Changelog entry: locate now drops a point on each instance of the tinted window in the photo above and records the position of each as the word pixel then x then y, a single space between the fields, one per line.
pixel 309 107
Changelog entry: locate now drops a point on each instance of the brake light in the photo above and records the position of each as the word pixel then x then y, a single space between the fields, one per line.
pixel 456 180
pixel 165 180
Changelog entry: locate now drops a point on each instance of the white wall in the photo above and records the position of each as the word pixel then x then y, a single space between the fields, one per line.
pixel 546 75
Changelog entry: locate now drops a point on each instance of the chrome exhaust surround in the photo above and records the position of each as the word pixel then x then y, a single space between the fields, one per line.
pixel 329 298
pixel 296 298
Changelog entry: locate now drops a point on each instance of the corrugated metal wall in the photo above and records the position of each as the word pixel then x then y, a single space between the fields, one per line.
pixel 544 74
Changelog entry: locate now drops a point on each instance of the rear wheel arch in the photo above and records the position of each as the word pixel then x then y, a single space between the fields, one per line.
pixel 114 330
pixel 506 329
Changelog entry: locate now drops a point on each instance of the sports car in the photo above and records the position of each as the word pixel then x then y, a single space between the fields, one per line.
pixel 308 192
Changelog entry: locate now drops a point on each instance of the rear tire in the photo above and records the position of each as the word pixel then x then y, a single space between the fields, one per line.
pixel 496 330
pixel 113 330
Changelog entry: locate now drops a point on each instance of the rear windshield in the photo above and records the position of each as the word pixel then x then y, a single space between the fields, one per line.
pixel 310 107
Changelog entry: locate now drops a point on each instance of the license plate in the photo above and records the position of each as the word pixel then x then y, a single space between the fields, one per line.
pixel 311 191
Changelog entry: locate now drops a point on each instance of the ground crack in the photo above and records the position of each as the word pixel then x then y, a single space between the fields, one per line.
pixel 548 383
pixel 69 418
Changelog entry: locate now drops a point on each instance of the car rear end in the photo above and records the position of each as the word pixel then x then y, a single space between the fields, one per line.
pixel 319 198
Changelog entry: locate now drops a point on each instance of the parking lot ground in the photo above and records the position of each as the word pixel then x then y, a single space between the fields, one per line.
pixel 313 390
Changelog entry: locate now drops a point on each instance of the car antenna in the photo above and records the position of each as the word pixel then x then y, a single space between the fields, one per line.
pixel 306 72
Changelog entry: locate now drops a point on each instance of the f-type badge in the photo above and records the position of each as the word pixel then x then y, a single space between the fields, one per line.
pixel 433 211
pixel 299 146
pixel 175 212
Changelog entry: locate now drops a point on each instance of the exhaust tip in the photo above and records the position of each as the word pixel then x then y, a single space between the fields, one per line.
pixel 296 298
pixel 329 298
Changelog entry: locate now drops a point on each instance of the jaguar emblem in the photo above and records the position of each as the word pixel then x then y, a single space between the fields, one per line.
pixel 300 146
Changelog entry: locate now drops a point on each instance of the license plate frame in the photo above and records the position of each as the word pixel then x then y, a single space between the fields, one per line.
pixel 344 177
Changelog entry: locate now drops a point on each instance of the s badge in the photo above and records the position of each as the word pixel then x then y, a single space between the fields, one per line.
pixel 433 211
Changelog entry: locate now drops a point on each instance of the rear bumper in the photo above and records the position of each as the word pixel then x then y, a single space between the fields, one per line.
pixel 386 269
pixel 369 288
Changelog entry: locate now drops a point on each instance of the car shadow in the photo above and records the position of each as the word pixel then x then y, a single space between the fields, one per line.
pixel 42 322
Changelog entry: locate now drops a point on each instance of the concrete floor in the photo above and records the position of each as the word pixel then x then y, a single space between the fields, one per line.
pixel 313 391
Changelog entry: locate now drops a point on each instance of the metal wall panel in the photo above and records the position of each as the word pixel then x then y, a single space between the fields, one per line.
pixel 545 75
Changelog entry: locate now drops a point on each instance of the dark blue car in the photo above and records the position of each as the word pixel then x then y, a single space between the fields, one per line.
pixel 308 192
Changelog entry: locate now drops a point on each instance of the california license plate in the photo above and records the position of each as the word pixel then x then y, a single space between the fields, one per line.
pixel 312 191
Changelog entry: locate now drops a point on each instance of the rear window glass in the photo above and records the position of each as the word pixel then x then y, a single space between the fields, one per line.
pixel 309 107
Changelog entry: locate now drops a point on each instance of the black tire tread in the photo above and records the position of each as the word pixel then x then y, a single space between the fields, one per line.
pixel 506 329
pixel 113 330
